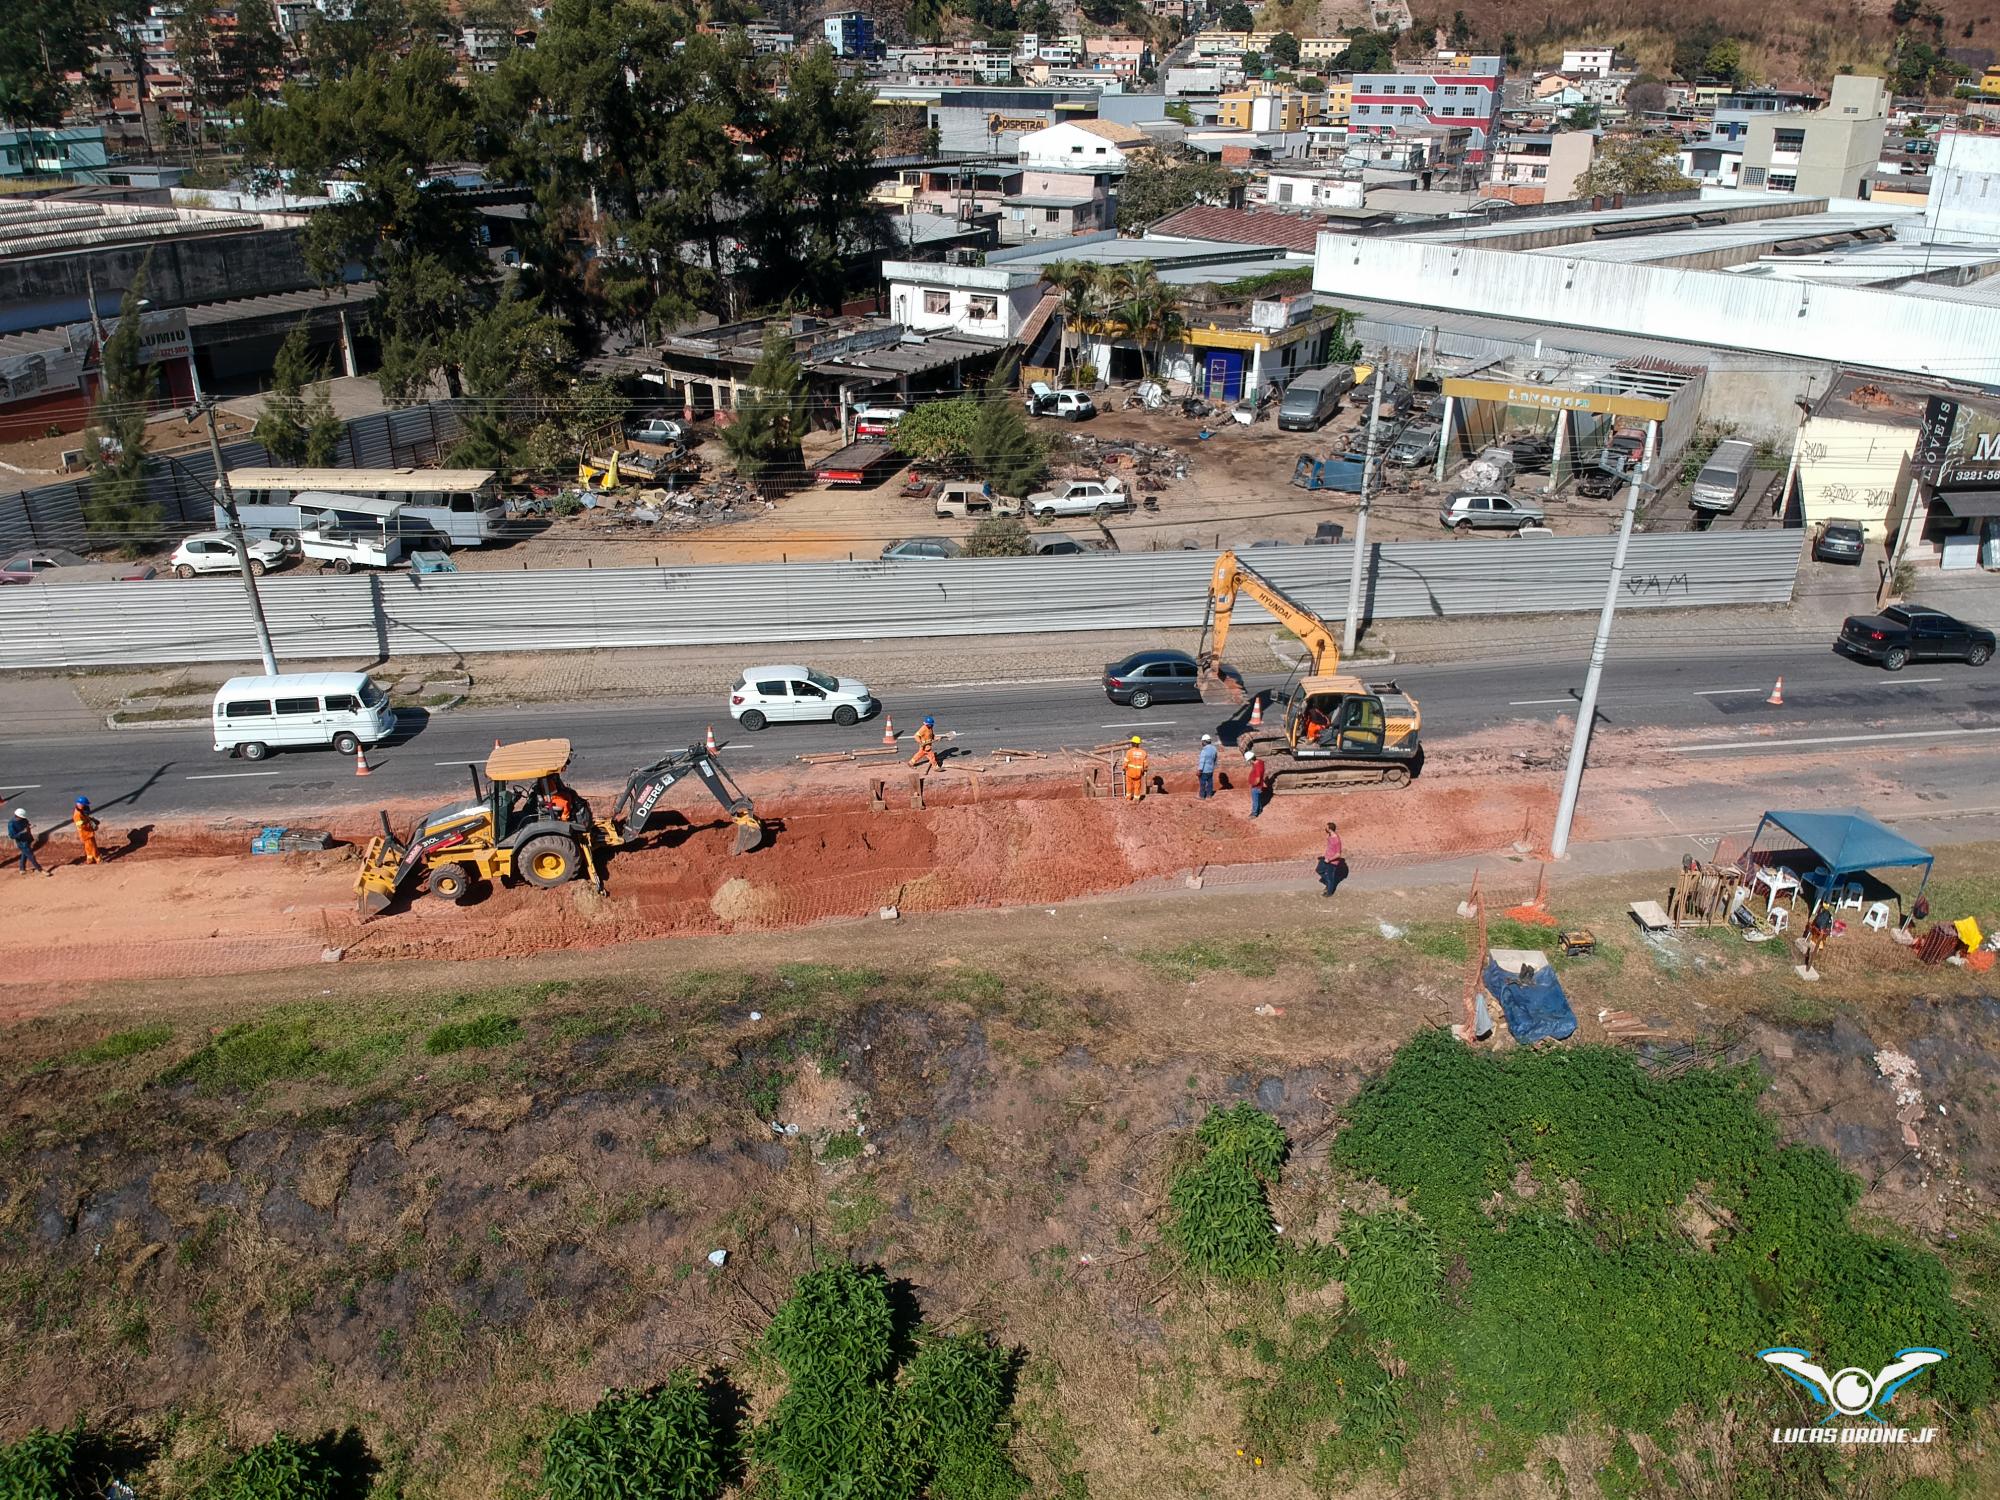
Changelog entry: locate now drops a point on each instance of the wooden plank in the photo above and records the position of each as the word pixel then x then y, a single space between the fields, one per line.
pixel 1651 916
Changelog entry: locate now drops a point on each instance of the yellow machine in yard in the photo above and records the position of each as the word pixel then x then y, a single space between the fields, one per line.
pixel 1337 731
pixel 526 823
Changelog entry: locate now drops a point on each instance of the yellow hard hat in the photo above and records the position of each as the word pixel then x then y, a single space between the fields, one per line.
pixel 1135 739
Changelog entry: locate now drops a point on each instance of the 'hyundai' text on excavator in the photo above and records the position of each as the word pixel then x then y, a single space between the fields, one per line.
pixel 524 821
pixel 1336 731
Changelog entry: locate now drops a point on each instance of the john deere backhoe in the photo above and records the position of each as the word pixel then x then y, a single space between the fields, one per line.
pixel 525 822
pixel 1336 731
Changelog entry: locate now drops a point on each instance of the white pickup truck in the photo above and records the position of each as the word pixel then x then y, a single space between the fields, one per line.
pixel 348 550
pixel 1081 497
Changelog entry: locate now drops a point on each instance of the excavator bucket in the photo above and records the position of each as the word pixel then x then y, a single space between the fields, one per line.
pixel 750 833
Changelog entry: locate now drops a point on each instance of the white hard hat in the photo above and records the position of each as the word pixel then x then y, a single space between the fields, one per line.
pixel 20 812
pixel 1204 739
pixel 1249 754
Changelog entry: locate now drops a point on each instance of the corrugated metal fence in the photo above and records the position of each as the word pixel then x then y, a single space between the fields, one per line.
pixel 183 485
pixel 167 620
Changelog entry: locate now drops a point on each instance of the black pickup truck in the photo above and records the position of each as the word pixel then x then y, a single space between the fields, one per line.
pixel 1904 633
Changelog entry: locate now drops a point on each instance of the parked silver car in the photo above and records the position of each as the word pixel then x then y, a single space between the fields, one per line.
pixel 1488 512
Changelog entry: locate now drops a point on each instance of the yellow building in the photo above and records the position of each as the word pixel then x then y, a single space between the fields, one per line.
pixel 1337 101
pixel 1269 107
pixel 1990 84
pixel 1320 49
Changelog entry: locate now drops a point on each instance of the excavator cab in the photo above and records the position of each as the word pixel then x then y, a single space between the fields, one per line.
pixel 1341 729
pixel 646 786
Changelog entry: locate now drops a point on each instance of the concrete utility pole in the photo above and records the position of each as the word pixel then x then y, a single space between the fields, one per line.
pixel 1586 712
pixel 1350 628
pixel 206 406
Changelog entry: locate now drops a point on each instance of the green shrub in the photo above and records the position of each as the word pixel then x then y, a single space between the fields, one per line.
pixel 662 1444
pixel 282 1469
pixel 47 1465
pixel 1221 1211
pixel 857 1423
pixel 954 1399
pixel 1328 1402
pixel 834 1430
pixel 481 1031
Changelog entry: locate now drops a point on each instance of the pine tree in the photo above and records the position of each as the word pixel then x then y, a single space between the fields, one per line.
pixel 1004 452
pixel 117 512
pixel 771 418
pixel 324 430
pixel 283 424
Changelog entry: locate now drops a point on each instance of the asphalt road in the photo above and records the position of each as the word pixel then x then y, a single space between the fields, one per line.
pixel 1714 695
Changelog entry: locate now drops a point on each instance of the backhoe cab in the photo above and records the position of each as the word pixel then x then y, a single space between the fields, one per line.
pixel 524 821
pixel 1337 731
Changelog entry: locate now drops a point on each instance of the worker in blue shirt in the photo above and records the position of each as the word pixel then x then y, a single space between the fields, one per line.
pixel 1205 768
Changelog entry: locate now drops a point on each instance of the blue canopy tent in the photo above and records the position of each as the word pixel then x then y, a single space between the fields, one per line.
pixel 1846 843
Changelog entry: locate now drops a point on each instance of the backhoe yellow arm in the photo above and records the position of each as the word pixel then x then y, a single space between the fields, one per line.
pixel 1232 577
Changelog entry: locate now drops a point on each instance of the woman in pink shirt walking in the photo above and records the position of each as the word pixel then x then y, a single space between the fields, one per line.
pixel 1333 863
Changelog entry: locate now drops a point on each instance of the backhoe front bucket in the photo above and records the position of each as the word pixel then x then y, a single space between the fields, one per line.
pixel 750 834
pixel 376 884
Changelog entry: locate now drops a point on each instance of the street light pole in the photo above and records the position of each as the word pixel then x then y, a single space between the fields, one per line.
pixel 1350 628
pixel 206 406
pixel 1586 712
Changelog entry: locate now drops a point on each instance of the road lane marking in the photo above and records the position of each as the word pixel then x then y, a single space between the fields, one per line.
pixel 1537 702
pixel 231 775
pixel 32 786
pixel 1827 739
pixel 1141 724
pixel 1724 692
pixel 1907 681
pixel 459 762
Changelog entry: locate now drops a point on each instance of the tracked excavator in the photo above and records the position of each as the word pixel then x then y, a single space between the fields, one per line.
pixel 524 822
pixel 1336 731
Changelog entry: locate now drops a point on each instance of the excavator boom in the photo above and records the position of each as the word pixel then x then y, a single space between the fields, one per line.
pixel 648 785
pixel 1232 576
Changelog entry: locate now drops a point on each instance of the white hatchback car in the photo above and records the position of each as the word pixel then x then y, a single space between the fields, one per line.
pixel 772 695
pixel 212 552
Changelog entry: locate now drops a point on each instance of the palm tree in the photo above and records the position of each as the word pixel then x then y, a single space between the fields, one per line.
pixel 1148 311
pixel 1082 286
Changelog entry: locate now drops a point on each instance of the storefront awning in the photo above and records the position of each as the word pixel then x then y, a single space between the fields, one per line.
pixel 1969 504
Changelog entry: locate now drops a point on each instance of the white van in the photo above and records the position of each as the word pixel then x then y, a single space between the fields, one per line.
pixel 1724 478
pixel 256 715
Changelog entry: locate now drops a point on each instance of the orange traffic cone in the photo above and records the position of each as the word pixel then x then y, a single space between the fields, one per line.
pixel 361 761
pixel 1777 698
pixel 711 739
pixel 496 742
pixel 1257 712
pixel 888 730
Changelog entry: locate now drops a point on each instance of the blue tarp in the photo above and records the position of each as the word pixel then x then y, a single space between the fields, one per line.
pixel 1537 1009
pixel 1848 842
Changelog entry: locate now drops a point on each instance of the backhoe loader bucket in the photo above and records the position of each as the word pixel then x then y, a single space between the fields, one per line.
pixel 376 884
pixel 750 833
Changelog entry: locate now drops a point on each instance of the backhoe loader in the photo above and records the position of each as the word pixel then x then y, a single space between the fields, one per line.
pixel 525 822
pixel 1336 731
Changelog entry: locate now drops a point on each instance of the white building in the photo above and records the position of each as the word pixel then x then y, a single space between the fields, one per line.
pixel 1086 145
pixel 1964 199
pixel 1300 188
pixel 987 302
pixel 1595 61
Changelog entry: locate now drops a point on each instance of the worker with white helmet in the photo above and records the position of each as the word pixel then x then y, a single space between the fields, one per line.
pixel 22 832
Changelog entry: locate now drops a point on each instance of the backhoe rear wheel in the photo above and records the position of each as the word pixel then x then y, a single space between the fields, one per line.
pixel 546 861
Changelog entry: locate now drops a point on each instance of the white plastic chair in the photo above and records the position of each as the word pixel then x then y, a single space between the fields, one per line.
pixel 1850 896
pixel 1780 920
pixel 1877 918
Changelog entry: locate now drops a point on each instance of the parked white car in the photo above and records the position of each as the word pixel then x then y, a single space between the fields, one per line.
pixel 1069 403
pixel 783 694
pixel 659 431
pixel 1081 497
pixel 213 552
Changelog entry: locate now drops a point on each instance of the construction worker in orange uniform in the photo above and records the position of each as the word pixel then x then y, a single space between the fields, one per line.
pixel 1135 771
pixel 86 830
pixel 927 744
